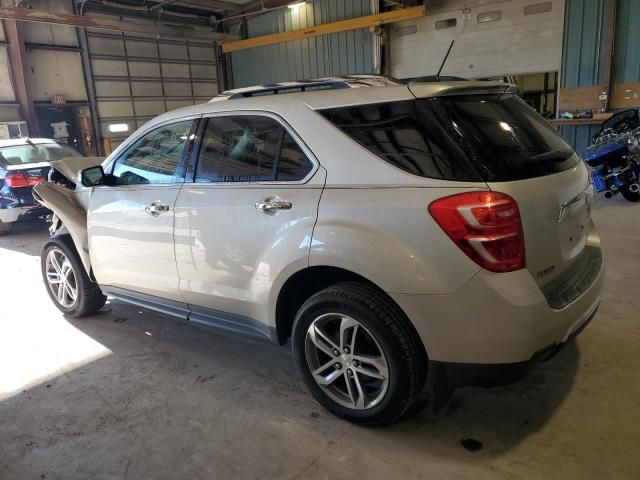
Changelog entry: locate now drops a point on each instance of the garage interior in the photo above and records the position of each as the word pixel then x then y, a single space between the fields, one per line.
pixel 131 393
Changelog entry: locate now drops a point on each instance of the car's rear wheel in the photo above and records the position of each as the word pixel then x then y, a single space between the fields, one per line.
pixel 5 228
pixel 66 280
pixel 358 355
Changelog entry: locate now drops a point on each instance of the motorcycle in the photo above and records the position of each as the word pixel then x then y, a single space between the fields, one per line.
pixel 614 156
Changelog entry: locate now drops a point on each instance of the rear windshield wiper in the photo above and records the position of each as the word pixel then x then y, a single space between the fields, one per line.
pixel 551 155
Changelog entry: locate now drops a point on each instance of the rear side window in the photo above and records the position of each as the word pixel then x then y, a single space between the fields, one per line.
pixel 249 148
pixel 293 163
pixel 463 138
pixel 404 135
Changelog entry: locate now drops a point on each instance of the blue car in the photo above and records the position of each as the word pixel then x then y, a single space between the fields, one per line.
pixel 25 162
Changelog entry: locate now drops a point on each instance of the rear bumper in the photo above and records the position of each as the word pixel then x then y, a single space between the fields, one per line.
pixel 16 214
pixel 446 376
pixel 497 319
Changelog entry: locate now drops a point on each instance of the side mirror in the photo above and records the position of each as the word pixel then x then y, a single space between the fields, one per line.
pixel 92 176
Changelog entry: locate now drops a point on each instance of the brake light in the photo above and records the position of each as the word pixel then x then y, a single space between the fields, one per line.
pixel 486 226
pixel 19 179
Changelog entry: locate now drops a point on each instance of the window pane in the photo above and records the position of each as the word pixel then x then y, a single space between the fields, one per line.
pixel 155 157
pixel 38 152
pixel 505 138
pixel 239 149
pixel 294 164
pixel 401 135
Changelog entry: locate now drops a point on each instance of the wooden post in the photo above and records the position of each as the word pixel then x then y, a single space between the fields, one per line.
pixel 107 146
pixel 18 66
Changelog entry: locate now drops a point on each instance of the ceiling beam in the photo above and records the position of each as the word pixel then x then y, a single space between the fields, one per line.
pixel 216 5
pixel 164 31
pixel 327 28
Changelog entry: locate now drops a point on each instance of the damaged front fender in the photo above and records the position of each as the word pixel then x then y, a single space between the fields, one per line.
pixel 70 208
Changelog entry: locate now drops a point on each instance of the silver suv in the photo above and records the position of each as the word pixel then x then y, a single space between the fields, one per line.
pixel 406 239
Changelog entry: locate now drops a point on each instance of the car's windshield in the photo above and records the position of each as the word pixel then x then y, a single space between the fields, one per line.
pixel 37 152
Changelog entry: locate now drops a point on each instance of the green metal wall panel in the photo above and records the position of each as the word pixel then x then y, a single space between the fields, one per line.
pixel 583 27
pixel 626 60
pixel 579 136
pixel 338 53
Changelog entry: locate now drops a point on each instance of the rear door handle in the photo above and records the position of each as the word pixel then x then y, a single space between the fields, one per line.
pixel 271 205
pixel 156 208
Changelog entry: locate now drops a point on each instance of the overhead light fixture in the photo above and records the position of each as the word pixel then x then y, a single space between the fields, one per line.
pixel 296 5
pixel 118 127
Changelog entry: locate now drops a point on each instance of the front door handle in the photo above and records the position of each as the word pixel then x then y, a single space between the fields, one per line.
pixel 271 205
pixel 156 208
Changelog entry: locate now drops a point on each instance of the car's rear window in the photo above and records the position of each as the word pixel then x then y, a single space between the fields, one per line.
pixel 462 138
pixel 37 152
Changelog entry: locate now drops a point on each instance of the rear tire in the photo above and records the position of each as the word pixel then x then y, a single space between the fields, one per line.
pixel 66 280
pixel 376 383
pixel 629 195
pixel 5 228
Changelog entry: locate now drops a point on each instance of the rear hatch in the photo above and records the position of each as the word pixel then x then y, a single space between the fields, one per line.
pixel 517 152
pixel 473 133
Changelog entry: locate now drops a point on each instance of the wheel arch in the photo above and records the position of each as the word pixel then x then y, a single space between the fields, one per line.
pixel 72 218
pixel 310 280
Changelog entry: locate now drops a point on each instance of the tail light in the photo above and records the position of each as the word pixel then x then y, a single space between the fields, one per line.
pixel 486 226
pixel 19 179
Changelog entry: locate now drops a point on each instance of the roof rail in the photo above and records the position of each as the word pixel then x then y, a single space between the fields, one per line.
pixel 291 88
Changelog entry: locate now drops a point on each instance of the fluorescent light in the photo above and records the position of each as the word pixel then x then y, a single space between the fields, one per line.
pixel 118 127
pixel 296 5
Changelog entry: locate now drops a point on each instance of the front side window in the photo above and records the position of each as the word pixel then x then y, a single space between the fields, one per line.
pixel 154 158
pixel 249 148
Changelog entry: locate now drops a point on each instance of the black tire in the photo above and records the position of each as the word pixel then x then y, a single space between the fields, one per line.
pixel 405 355
pixel 90 298
pixel 5 228
pixel 629 195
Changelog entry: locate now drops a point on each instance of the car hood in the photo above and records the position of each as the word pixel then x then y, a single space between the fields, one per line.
pixel 70 167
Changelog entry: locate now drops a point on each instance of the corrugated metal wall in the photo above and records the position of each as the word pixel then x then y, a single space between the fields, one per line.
pixel 626 62
pixel 584 24
pixel 583 28
pixel 581 61
pixel 338 53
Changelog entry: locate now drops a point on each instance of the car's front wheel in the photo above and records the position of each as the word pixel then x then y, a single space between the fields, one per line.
pixel 66 280
pixel 358 355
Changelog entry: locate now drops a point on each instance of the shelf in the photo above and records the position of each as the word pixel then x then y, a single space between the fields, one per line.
pixel 558 122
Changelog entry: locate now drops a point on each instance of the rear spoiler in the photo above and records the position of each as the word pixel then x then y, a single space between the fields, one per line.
pixel 428 90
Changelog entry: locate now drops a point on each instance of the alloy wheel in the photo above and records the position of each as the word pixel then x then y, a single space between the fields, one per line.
pixel 61 279
pixel 346 361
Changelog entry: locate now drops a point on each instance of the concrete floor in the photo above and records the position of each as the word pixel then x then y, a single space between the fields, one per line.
pixel 131 394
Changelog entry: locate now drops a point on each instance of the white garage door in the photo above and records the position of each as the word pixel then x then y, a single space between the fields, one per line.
pixel 137 77
pixel 493 38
